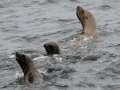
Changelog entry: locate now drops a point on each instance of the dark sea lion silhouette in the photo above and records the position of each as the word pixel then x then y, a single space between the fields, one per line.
pixel 29 69
pixel 87 20
pixel 51 48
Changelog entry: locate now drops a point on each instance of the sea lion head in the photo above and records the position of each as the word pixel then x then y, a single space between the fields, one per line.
pixel 80 13
pixel 23 61
pixel 28 67
pixel 87 20
pixel 52 48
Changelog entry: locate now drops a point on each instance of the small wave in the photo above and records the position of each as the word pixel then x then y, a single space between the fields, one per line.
pixel 105 7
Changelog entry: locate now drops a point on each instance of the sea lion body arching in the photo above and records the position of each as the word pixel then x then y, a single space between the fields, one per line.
pixel 30 71
pixel 87 20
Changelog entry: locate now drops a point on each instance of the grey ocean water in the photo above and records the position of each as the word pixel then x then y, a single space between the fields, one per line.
pixel 25 25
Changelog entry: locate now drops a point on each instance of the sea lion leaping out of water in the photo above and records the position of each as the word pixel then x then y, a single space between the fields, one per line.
pixel 87 20
pixel 30 71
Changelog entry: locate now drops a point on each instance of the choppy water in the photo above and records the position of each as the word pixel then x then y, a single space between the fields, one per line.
pixel 26 25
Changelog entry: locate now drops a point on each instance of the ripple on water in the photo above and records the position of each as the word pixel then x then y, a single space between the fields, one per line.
pixel 105 7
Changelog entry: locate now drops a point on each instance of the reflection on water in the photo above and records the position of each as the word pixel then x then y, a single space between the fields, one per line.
pixel 25 25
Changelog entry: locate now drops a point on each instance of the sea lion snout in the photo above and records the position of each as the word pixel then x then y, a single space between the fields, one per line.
pixel 80 9
pixel 51 48
pixel 80 12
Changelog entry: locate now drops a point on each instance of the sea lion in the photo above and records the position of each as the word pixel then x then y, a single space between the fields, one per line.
pixel 51 48
pixel 30 71
pixel 87 20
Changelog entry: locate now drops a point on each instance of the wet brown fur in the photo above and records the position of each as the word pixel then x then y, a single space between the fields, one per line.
pixel 87 20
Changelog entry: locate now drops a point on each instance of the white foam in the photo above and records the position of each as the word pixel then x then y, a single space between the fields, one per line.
pixel 19 75
pixel 12 56
pixel 39 58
